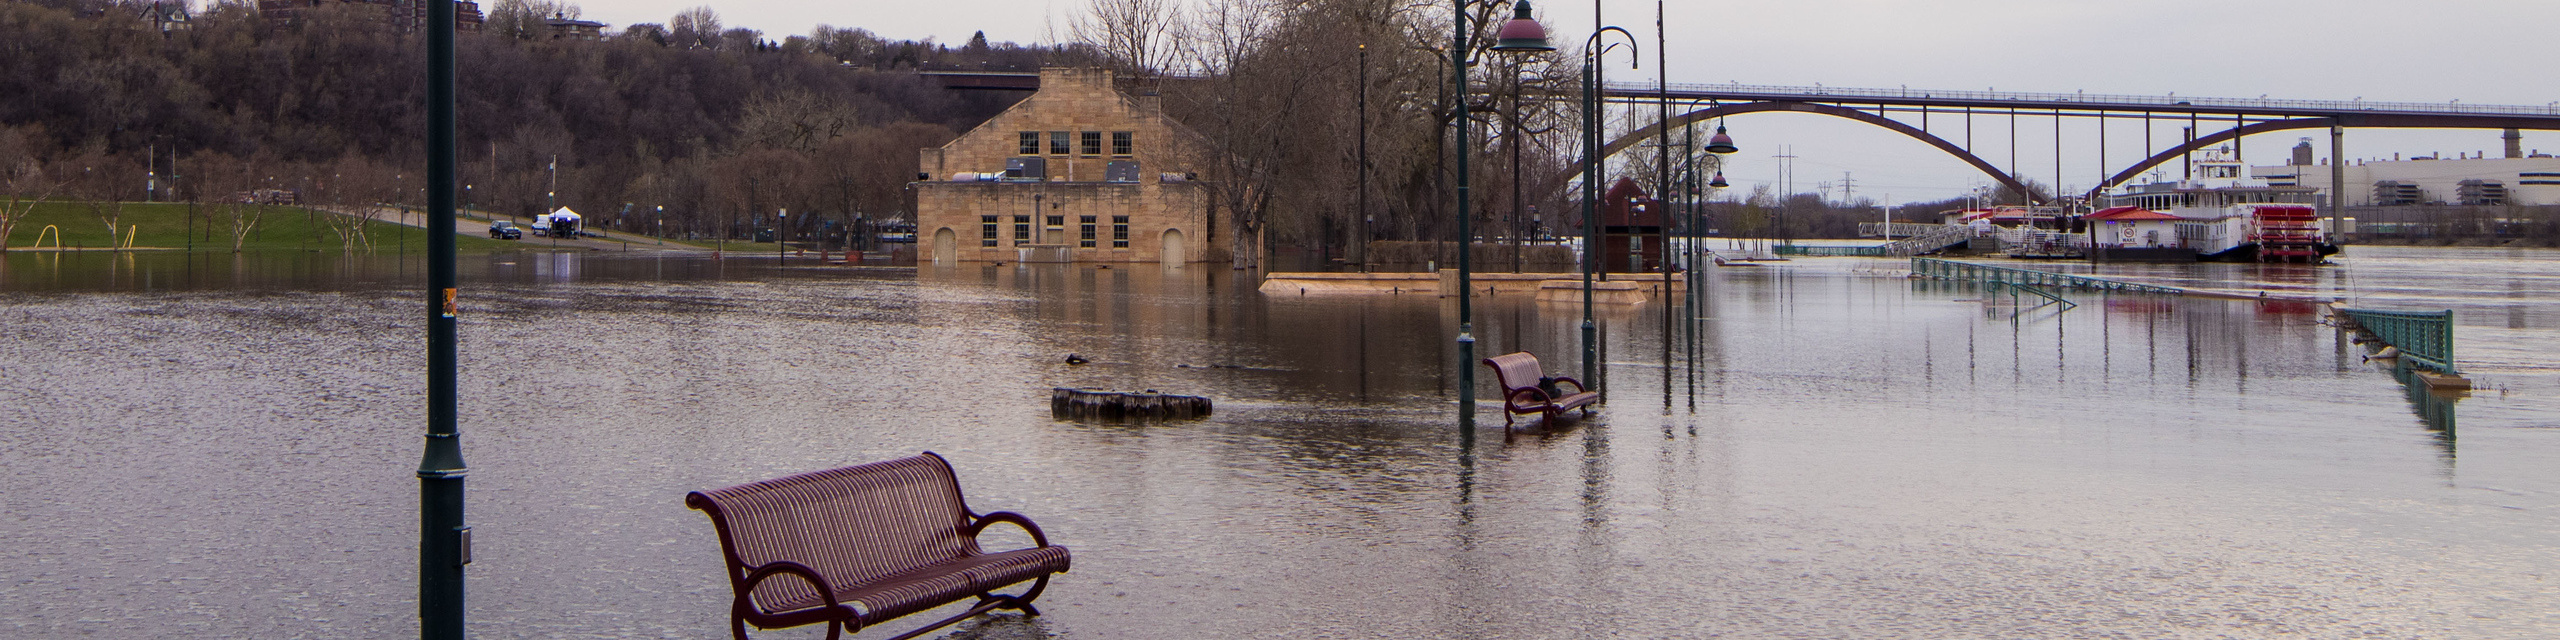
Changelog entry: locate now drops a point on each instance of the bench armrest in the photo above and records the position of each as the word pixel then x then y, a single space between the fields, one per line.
pixel 1526 397
pixel 779 567
pixel 1578 387
pixel 1037 538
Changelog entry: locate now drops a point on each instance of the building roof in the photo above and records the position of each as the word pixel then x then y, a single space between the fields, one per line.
pixel 2129 214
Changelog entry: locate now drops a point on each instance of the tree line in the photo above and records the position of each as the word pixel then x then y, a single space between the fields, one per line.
pixel 1329 122
pixel 716 127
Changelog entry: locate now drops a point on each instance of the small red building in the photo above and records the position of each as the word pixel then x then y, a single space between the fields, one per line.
pixel 1630 230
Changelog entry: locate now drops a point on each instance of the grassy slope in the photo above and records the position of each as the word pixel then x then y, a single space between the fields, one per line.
pixel 164 226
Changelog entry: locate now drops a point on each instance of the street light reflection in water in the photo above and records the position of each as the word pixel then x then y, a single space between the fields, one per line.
pixel 232 440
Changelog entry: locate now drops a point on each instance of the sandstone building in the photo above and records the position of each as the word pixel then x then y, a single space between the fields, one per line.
pixel 1078 172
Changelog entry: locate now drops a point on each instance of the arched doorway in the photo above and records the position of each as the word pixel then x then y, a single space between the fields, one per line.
pixel 1174 252
pixel 946 246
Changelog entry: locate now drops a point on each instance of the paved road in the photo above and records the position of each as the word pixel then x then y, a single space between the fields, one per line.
pixel 480 227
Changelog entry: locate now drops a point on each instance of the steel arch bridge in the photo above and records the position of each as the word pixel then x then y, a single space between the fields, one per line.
pixel 1877 107
pixel 2243 116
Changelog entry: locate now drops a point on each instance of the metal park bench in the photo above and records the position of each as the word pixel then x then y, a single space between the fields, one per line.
pixel 866 544
pixel 1526 389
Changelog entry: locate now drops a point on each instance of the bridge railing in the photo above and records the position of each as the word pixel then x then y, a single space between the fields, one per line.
pixel 1967 271
pixel 1818 93
pixel 2422 336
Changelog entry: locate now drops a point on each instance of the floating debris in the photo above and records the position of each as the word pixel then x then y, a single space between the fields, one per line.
pixel 1114 406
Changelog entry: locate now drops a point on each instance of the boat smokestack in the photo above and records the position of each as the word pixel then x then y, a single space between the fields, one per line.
pixel 2515 143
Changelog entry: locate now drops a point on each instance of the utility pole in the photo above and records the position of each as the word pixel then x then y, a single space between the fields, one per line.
pixel 1786 187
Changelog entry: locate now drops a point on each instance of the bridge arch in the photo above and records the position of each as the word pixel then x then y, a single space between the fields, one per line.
pixel 2369 121
pixel 1682 120
pixel 2205 142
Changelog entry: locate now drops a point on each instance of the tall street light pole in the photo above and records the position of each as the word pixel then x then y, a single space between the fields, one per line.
pixel 1693 217
pixel 444 542
pixel 1520 34
pixel 1662 185
pixel 1592 164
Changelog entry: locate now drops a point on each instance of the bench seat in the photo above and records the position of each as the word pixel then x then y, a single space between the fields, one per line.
pixel 1520 374
pixel 865 544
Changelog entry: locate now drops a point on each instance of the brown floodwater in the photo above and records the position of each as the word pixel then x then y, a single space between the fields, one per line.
pixel 225 447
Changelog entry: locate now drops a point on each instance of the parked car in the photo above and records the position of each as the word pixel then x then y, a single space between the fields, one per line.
pixel 505 230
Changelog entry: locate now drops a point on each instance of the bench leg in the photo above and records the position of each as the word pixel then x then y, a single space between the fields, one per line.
pixel 1020 602
pixel 738 628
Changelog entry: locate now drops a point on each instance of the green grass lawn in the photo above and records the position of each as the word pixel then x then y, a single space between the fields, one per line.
pixel 167 226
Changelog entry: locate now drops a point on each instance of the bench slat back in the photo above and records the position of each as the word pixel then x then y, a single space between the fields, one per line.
pixel 852 525
pixel 1516 370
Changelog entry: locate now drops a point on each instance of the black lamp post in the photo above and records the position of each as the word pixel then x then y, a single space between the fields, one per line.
pixel 444 541
pixel 1591 172
pixel 1721 144
pixel 1520 34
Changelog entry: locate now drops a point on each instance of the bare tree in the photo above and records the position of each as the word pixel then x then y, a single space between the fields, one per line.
pixel 23 180
pixel 1136 37
pixel 795 120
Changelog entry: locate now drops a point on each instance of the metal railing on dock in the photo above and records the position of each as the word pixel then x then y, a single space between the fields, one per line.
pixel 1938 237
pixel 2423 336
pixel 1967 271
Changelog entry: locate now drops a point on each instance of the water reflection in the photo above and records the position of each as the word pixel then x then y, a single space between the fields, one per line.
pixel 2136 465
pixel 2434 408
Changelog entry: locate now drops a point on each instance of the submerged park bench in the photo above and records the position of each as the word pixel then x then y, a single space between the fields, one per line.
pixel 866 544
pixel 1526 389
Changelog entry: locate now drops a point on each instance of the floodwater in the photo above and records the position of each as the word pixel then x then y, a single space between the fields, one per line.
pixel 225 447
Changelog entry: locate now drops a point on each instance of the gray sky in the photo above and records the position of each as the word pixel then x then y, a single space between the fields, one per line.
pixel 2475 51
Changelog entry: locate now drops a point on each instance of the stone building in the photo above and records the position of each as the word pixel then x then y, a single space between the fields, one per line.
pixel 1077 172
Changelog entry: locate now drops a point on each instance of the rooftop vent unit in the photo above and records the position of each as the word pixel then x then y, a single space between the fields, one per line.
pixel 1120 171
pixel 1026 169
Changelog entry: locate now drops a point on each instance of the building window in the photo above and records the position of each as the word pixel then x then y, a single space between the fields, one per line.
pixel 1021 229
pixel 1057 143
pixel 1091 143
pixel 1030 143
pixel 1119 232
pixel 1122 142
pixel 1084 231
pixel 986 231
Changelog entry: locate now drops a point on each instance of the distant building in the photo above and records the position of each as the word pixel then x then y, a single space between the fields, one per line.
pixel 166 15
pixel 407 16
pixel 1078 172
pixel 564 27
pixel 2482 181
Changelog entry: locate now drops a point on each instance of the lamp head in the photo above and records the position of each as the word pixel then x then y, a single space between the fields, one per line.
pixel 1722 143
pixel 1522 33
pixel 1718 181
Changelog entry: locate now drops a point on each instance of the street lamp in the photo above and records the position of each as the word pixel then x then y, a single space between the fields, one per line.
pixel 1721 144
pixel 1591 170
pixel 1520 34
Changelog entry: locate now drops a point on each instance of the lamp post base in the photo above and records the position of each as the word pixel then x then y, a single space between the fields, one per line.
pixel 1466 379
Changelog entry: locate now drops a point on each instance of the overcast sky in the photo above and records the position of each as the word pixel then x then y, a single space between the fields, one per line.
pixel 2475 51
